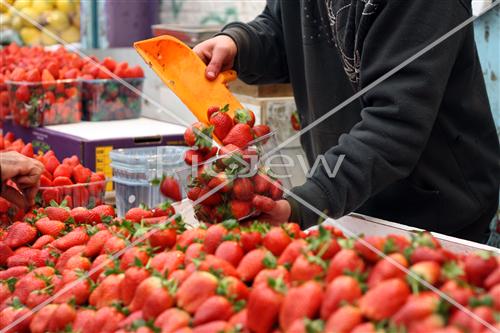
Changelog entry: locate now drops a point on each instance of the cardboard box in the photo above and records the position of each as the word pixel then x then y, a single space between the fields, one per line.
pixel 92 141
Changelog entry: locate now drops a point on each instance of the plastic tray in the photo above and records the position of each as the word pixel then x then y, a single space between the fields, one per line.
pixel 35 104
pixel 109 99
pixel 78 195
pixel 135 170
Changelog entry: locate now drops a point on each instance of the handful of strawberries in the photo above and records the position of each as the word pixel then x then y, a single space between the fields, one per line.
pixel 230 182
pixel 148 273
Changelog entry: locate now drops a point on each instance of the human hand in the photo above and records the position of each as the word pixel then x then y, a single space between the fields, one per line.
pixel 279 215
pixel 25 172
pixel 218 53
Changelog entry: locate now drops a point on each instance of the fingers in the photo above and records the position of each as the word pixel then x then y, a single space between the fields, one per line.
pixel 216 62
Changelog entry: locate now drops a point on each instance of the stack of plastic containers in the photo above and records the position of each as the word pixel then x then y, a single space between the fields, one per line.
pixel 137 172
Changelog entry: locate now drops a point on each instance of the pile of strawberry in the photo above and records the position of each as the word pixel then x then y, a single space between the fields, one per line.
pixel 56 180
pixel 241 196
pixel 229 278
pixel 37 98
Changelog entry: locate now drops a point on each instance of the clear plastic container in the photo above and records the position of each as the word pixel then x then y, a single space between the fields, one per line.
pixel 35 104
pixel 137 172
pixel 78 195
pixel 108 99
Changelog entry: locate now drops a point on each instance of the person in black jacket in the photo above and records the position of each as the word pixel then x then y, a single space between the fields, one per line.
pixel 420 147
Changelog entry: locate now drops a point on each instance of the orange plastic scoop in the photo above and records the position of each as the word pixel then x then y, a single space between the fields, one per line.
pixel 184 73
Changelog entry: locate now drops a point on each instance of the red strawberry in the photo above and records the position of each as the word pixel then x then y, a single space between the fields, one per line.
pixel 385 269
pixel 172 319
pixel 132 279
pixel 233 288
pixel 80 215
pixel 199 135
pixel 230 251
pixel 344 319
pixel 212 109
pixel 244 116
pixel 107 292
pixel 104 210
pixel 193 157
pixel 240 135
pixel 430 271
pixel 194 193
pixel 309 294
pixel 424 253
pixel 240 209
pixel 50 227
pixel 76 237
pixel 57 213
pixel 14 272
pixel 261 130
pixel 211 263
pixel 196 290
pixel 167 261
pixel 262 183
pixel 137 214
pixel 18 234
pixel 243 189
pixel 62 181
pixel 193 251
pixel 163 238
pixel 250 240
pixel 263 203
pixel 251 264
pixel 222 182
pixel 276 240
pixel 190 236
pixel 384 300
pixel 346 259
pixel 417 307
pixel 214 237
pixel 28 257
pixel 40 243
pixel 221 122
pixel 343 289
pixel 5 253
pixel 157 302
pixel 307 267
pixel 209 200
pixel 214 326
pixel 62 170
pixel 170 188
pixel 292 252
pixel 275 190
pixel 275 273
pixel 81 174
pixel 365 251
pixel 264 305
pixel 66 255
pixel 214 308
pixel 478 266
pixel 132 256
pixel 492 279
pixel 151 286
pixel 460 293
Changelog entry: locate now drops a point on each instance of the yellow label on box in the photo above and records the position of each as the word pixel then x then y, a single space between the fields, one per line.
pixel 103 163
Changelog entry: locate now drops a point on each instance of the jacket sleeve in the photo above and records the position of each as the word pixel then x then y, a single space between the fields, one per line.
pixel 261 53
pixel 398 114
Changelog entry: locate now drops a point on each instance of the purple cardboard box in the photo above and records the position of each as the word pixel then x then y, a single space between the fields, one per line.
pixel 92 141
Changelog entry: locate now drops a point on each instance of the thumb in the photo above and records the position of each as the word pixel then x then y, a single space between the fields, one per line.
pixel 14 196
pixel 216 62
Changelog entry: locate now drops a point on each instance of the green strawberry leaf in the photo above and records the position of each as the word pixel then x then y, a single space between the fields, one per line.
pixel 269 261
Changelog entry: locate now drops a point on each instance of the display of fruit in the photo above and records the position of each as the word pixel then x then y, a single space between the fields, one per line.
pixel 44 87
pixel 93 272
pixel 65 182
pixel 61 18
pixel 237 193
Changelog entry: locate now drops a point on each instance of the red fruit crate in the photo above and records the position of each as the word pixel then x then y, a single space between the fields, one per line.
pixel 109 99
pixel 36 104
pixel 86 195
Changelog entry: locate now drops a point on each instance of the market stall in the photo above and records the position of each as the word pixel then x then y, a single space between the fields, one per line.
pixel 143 222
